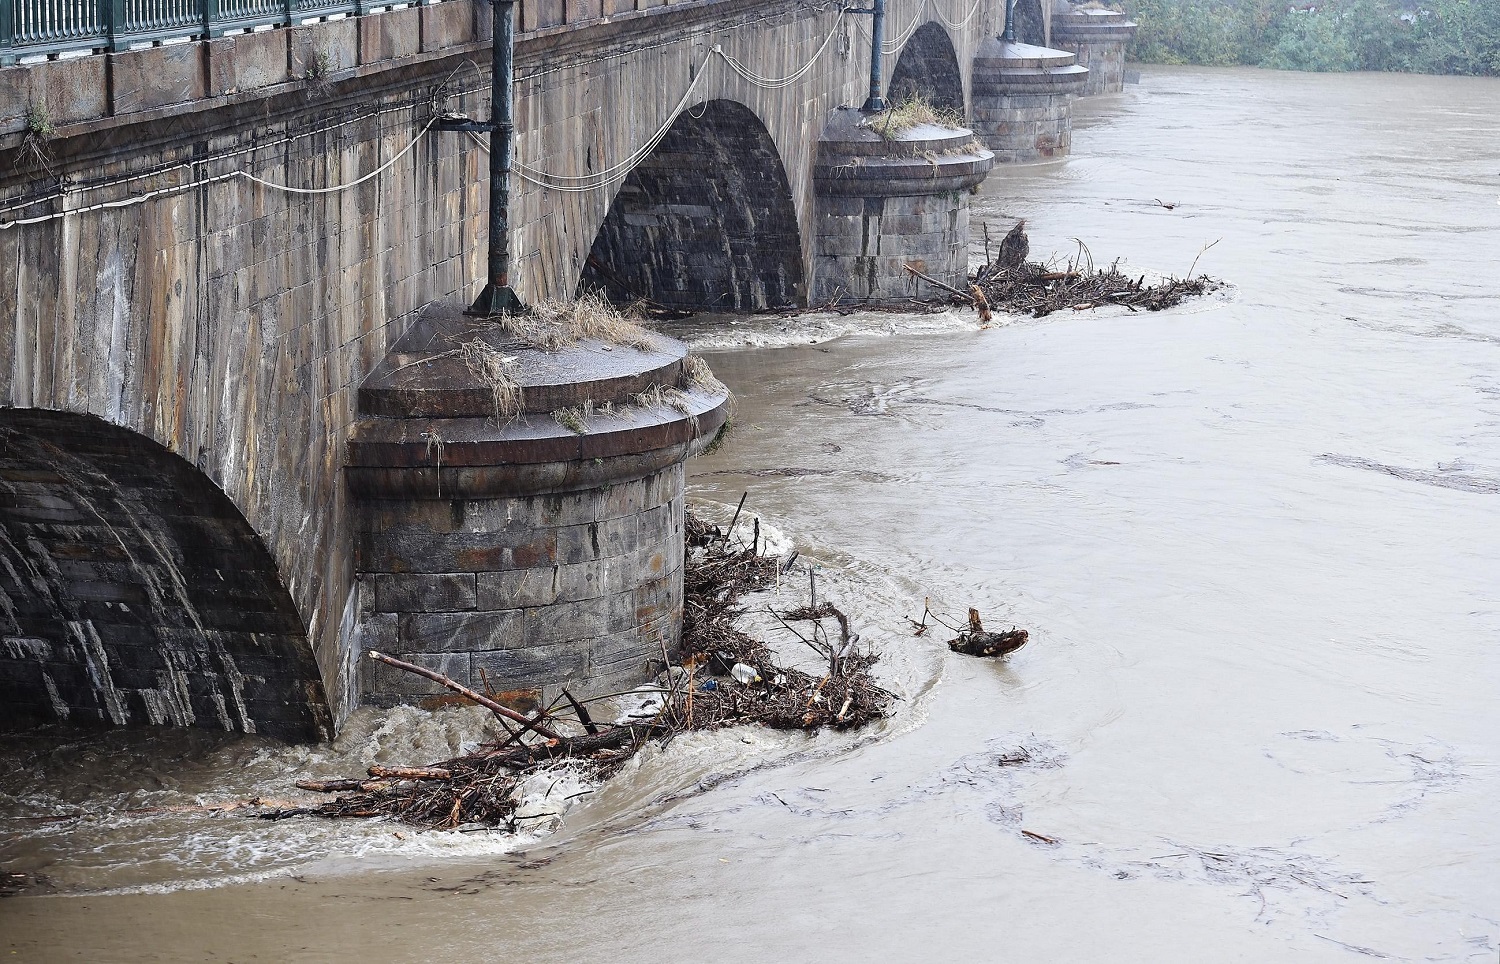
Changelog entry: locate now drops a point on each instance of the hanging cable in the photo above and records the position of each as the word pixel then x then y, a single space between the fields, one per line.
pixel 183 166
pixel 288 189
pixel 597 180
pixel 204 181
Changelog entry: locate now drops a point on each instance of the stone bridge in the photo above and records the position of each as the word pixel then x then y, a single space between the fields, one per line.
pixel 207 247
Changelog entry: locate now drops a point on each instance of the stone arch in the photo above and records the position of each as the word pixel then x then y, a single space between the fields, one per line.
pixel 928 68
pixel 1031 28
pixel 134 592
pixel 706 221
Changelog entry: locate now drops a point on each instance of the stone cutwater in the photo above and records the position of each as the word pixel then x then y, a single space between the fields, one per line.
pixel 519 511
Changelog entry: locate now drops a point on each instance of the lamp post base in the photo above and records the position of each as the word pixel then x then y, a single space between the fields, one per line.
pixel 495 300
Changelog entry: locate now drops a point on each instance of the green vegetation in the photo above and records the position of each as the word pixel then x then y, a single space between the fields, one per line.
pixel 1420 36
pixel 37 122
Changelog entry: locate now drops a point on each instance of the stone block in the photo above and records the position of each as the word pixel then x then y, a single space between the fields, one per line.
pixel 536 14
pixel 582 11
pixel 70 90
pixel 611 7
pixel 653 526
pixel 390 35
pixel 402 551
pixel 447 24
pixel 450 632
pixel 530 666
pixel 589 619
pixel 248 62
pixel 319 49
pixel 390 680
pixel 15 98
pixel 522 588
pixel 424 592
pixel 597 540
pixel 156 77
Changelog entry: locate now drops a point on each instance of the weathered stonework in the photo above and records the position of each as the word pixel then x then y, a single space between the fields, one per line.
pixel 133 592
pixel 232 323
pixel 533 549
pixel 928 69
pixel 1098 38
pixel 706 221
pixel 885 203
pixel 1023 100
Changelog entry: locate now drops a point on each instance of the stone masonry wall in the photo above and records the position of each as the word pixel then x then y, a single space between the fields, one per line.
pixel 133 592
pixel 231 323
pixel 553 586
pixel 860 238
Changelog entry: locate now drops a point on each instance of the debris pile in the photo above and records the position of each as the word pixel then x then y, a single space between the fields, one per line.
pixel 1037 290
pixel 1011 283
pixel 724 677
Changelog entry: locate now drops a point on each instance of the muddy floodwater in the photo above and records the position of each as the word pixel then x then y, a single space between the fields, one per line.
pixel 1256 540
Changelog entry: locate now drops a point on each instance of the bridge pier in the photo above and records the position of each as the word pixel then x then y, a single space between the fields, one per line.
pixel 887 201
pixel 1023 100
pixel 1098 38
pixel 518 549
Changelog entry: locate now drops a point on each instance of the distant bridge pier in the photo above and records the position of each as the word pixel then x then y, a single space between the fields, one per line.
pixel 1023 100
pixel 887 202
pixel 1098 38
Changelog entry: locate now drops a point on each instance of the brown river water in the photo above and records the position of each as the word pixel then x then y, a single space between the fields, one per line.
pixel 1256 540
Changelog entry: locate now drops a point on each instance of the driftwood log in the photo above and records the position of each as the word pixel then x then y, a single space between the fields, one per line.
pixel 977 641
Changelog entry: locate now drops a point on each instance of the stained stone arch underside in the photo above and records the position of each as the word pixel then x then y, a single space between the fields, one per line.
pixel 1030 27
pixel 928 68
pixel 706 221
pixel 135 593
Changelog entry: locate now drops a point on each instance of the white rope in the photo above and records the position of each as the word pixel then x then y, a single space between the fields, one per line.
pixel 609 175
pixel 894 46
pixel 597 180
pixel 891 46
pixel 779 83
pixel 202 182
pixel 567 183
pixel 288 189
pixel 962 23
pixel 187 165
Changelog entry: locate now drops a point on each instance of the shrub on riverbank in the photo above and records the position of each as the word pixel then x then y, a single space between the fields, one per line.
pixel 1430 36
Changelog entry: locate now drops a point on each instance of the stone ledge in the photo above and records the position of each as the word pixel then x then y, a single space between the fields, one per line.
pixel 532 439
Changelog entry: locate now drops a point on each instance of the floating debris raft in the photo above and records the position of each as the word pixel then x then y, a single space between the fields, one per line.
pixel 1032 288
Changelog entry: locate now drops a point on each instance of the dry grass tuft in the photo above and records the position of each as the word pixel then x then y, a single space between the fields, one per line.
pixel 572 420
pixel 658 396
pixel 913 112
pixel 697 374
pixel 550 325
pixel 496 370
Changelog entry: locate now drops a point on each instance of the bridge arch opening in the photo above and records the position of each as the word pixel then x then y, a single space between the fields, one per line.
pixel 1031 28
pixel 706 221
pixel 133 592
pixel 928 69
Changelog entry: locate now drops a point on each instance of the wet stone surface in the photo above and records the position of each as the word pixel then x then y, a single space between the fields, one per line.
pixel 535 549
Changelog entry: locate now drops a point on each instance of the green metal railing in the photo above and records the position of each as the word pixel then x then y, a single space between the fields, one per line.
pixel 30 28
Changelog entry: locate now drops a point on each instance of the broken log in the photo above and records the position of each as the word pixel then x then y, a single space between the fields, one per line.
pixel 410 773
pixel 504 711
pixel 989 644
